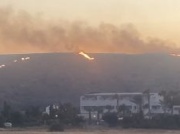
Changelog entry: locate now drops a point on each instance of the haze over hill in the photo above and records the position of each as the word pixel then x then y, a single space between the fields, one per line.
pixel 63 77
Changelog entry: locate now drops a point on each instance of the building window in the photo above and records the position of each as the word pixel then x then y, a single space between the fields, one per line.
pixel 155 107
pixel 89 97
pixel 177 108
pixel 129 107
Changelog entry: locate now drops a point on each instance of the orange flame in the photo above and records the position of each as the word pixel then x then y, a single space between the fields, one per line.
pixel 86 56
pixel 1 66
pixel 178 55
pixel 22 59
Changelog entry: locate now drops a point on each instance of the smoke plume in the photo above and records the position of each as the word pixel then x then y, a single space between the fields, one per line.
pixel 21 32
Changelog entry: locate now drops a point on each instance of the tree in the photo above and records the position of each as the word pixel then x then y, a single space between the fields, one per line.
pixel 170 98
pixel 67 114
pixel 6 112
pixel 99 110
pixel 56 127
pixel 53 111
pixel 109 108
pixel 123 110
pixel 89 109
pixel 17 118
pixel 45 118
pixel 138 100
pixel 148 96
pixel 111 119
pixel 116 96
pixel 33 115
pixel 33 112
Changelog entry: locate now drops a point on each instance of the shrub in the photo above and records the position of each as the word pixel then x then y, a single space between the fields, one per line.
pixel 111 119
pixel 57 127
pixel 160 121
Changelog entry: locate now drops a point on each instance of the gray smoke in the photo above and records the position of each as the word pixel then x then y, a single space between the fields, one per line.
pixel 21 32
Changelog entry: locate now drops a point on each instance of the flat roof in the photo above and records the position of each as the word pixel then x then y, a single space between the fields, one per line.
pixel 124 93
pixel 176 106
pixel 114 94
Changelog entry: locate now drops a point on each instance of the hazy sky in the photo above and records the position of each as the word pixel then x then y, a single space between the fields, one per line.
pixel 154 18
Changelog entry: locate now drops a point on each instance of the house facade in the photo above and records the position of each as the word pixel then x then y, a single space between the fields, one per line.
pixel 96 104
pixel 176 109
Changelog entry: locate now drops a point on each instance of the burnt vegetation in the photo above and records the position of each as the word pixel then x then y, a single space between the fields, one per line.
pixel 51 78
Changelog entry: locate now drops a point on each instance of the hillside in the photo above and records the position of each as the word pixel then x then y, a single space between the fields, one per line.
pixel 63 77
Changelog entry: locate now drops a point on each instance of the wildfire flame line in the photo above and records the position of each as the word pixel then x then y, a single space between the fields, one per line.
pixel 86 56
pixel 178 55
pixel 1 66
pixel 22 59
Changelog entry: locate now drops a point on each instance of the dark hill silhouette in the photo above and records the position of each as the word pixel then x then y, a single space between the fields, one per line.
pixel 63 77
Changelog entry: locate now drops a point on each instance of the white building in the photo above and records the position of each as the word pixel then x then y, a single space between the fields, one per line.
pixel 176 109
pixel 111 102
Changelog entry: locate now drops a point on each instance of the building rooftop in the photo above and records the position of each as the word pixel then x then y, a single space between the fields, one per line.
pixel 137 93
pixel 124 93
